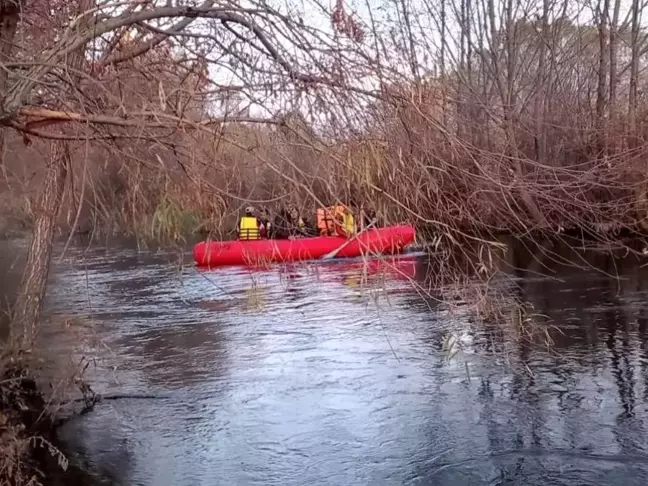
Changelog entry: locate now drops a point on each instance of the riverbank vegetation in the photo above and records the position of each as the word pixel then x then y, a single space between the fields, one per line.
pixel 531 120
pixel 25 430
pixel 165 119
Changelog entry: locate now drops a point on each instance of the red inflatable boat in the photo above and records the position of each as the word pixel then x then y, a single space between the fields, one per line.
pixel 392 239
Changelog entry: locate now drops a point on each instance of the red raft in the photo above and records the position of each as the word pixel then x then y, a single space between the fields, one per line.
pixel 390 240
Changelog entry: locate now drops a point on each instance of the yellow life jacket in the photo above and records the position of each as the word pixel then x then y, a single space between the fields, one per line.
pixel 349 223
pixel 249 228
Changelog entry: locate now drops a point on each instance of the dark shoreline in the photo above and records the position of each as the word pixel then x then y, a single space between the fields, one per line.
pixel 25 420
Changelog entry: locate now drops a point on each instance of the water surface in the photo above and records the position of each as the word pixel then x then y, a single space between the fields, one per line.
pixel 334 374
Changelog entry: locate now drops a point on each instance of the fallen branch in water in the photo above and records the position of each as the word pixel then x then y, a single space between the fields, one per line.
pixel 97 398
pixel 89 402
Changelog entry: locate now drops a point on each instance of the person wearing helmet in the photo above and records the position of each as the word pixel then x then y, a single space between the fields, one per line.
pixel 288 224
pixel 336 220
pixel 250 226
pixel 369 218
pixel 298 225
pixel 328 219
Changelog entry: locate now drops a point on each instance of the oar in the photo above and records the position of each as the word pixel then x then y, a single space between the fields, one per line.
pixel 333 253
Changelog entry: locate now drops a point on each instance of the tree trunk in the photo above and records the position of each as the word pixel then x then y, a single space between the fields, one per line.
pixel 9 17
pixel 634 73
pixel 614 42
pixel 603 71
pixel 34 283
pixel 538 108
pixel 444 86
pixel 461 83
pixel 468 93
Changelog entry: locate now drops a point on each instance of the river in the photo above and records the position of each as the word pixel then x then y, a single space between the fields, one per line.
pixel 336 374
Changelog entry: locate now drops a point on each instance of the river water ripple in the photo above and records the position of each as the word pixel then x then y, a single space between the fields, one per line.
pixel 334 374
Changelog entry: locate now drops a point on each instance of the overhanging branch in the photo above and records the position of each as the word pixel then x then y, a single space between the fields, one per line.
pixel 41 117
pixel 146 46
pixel 72 41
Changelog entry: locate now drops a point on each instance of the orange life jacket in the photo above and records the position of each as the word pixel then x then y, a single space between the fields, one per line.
pixel 329 219
pixel 325 222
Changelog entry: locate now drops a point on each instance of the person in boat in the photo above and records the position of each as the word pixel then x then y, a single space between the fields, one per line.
pixel 335 220
pixel 299 226
pixel 290 224
pixel 348 223
pixel 368 217
pixel 250 226
pixel 280 225
pixel 327 221
pixel 266 225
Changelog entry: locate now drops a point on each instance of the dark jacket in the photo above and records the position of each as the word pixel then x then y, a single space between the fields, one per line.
pixel 284 226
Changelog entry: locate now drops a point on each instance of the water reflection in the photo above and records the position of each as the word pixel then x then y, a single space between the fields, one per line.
pixel 335 374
